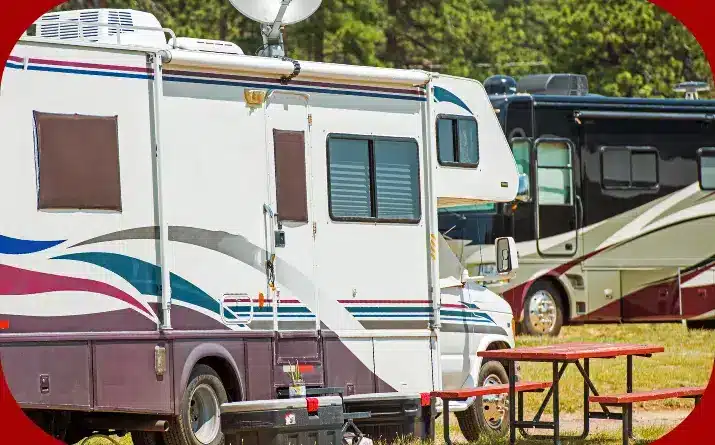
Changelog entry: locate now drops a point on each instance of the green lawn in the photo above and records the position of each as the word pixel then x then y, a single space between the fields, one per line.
pixel 687 361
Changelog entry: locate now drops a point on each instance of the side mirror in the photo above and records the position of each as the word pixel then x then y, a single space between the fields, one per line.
pixel 523 192
pixel 507 257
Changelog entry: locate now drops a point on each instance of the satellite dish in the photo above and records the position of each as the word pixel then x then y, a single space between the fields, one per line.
pixel 266 11
pixel 273 15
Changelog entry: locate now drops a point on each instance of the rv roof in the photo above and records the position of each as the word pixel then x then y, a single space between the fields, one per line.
pixel 200 54
pixel 605 102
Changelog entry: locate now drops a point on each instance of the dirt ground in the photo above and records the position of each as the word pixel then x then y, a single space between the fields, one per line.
pixel 669 419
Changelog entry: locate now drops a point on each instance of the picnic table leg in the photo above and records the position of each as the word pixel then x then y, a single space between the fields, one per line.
pixel 556 377
pixel 544 404
pixel 512 402
pixel 627 423
pixel 445 420
pixel 586 393
pixel 430 424
pixel 629 389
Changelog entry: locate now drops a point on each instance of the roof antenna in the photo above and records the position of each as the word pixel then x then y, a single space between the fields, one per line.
pixel 691 89
pixel 273 15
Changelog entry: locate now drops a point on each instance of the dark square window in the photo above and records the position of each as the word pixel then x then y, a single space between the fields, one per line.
pixel 78 162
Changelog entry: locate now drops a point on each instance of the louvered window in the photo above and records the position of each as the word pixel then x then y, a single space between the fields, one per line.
pixel 373 179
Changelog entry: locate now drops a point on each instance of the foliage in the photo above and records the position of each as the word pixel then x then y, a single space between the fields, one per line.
pixel 626 48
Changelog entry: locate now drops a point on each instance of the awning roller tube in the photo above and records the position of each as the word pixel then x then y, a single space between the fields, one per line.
pixel 638 115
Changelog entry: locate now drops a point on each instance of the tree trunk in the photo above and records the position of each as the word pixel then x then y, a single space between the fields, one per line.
pixel 393 47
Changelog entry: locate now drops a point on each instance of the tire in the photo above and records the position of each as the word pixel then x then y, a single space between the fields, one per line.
pixel 488 415
pixel 205 393
pixel 543 311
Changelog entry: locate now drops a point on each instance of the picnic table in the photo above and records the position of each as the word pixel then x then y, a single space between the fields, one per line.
pixel 561 356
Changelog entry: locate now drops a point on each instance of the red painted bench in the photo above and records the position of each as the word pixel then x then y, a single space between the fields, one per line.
pixel 488 390
pixel 626 401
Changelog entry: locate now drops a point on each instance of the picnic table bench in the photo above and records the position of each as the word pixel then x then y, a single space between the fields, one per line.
pixel 625 402
pixel 488 390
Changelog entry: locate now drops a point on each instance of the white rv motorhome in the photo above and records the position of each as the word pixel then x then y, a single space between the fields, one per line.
pixel 185 225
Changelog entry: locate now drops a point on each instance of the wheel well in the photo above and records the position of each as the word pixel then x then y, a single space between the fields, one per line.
pixel 499 345
pixel 226 374
pixel 563 295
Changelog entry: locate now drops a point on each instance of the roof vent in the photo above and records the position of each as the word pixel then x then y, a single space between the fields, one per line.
pixel 500 85
pixel 554 84
pixel 115 26
pixel 204 45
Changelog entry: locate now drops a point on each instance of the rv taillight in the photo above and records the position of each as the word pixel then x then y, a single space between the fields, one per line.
pixel 425 399
pixel 312 404
pixel 4 324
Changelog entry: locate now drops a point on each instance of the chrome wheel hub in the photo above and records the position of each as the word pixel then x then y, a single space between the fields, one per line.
pixel 494 407
pixel 204 413
pixel 542 312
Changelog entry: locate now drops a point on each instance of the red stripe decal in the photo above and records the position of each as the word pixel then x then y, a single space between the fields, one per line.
pixel 135 69
pixel 384 301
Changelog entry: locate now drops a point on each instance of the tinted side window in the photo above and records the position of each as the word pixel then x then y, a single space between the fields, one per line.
pixel 397 180
pixel 458 141
pixel 373 179
pixel 706 166
pixel 349 172
pixel 629 167
pixel 616 167
pixel 644 169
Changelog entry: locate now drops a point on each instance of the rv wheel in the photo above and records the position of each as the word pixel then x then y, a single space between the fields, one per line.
pixel 199 422
pixel 488 415
pixel 543 310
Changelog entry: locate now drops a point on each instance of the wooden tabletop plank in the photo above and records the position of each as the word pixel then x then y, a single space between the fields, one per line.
pixel 571 351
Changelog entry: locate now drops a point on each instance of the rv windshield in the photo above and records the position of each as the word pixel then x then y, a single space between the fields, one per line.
pixel 522 156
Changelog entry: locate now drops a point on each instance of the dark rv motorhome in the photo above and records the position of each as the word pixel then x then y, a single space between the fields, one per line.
pixel 618 223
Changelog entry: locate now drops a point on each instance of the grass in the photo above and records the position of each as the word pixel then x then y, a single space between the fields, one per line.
pixel 687 361
pixel 644 435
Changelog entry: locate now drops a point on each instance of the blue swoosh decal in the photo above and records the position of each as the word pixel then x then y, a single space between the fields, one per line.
pixel 14 246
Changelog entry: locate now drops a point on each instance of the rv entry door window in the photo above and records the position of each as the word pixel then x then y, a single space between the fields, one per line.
pixel 554 173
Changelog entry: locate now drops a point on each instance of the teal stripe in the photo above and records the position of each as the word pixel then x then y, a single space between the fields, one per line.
pixel 145 278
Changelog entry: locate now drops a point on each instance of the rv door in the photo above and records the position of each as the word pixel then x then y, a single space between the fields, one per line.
pixel 557 206
pixel 290 233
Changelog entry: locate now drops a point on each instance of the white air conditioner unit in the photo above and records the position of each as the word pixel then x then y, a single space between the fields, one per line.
pixel 115 26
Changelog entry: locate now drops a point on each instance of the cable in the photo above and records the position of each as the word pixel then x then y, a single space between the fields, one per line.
pixel 296 70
